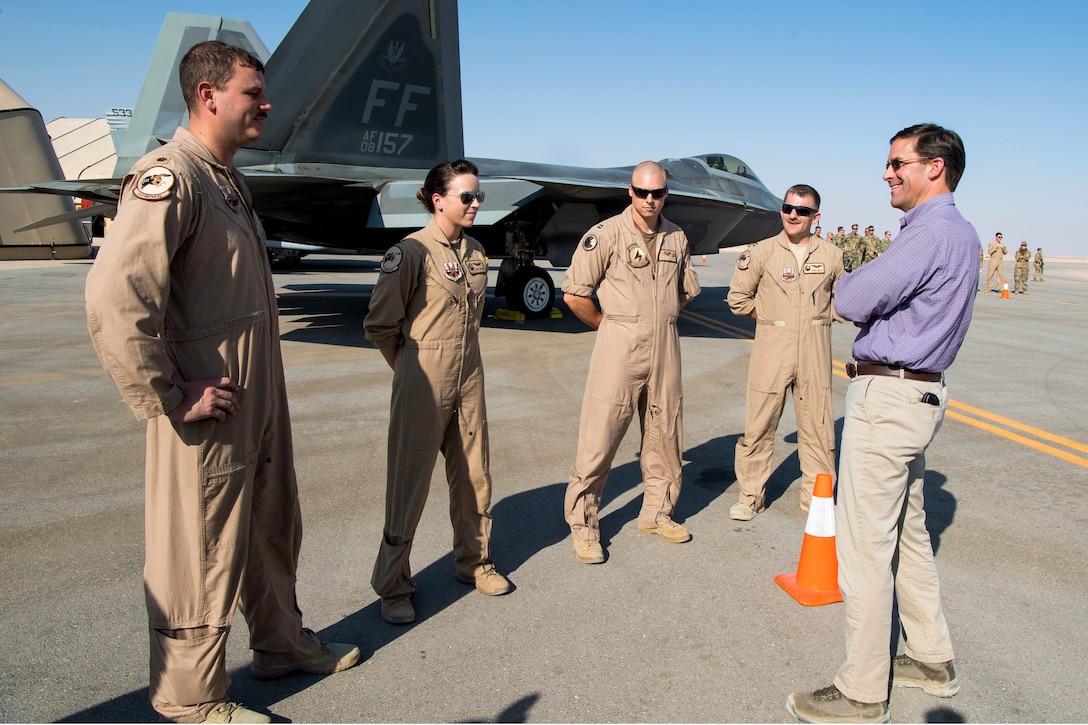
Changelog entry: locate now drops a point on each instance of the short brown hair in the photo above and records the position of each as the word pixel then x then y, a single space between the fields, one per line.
pixel 212 61
pixel 804 190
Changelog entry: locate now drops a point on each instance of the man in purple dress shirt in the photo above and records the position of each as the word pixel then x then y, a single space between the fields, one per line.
pixel 913 305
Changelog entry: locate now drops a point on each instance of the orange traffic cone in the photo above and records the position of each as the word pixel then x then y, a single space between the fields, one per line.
pixel 817 579
pixel 704 259
pixel 1005 290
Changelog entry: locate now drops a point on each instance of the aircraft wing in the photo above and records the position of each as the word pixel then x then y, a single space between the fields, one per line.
pixel 102 191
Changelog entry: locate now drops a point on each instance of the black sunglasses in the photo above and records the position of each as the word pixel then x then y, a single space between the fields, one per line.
pixel 655 193
pixel 897 164
pixel 466 197
pixel 801 210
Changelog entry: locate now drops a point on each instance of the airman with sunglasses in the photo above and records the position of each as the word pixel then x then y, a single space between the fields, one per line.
pixel 639 265
pixel 786 283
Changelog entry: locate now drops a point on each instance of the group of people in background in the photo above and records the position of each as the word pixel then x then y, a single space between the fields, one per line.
pixel 182 311
pixel 858 249
pixel 995 272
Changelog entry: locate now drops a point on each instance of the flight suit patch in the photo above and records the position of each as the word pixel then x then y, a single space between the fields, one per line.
pixel 155 183
pixel 589 243
pixel 231 196
pixel 476 266
pixel 744 260
pixel 636 257
pixel 392 259
pixel 667 255
pixel 453 271
pixel 789 274
pixel 813 268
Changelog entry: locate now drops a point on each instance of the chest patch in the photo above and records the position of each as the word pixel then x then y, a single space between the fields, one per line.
pixel 744 260
pixel 476 266
pixel 155 183
pixel 452 271
pixel 789 274
pixel 813 268
pixel 231 196
pixel 667 255
pixel 637 257
pixel 392 259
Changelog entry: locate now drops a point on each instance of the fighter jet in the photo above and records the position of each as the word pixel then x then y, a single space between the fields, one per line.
pixel 366 99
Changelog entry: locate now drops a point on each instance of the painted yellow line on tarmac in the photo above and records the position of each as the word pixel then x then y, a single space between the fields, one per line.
pixel 1044 448
pixel 983 420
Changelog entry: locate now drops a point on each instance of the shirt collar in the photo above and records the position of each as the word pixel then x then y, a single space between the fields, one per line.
pixel 926 207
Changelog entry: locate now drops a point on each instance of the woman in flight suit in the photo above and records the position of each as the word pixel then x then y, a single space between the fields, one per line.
pixel 425 318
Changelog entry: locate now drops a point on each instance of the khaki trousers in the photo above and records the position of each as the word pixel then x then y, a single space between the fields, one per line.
pixel 223 529
pixel 425 420
pixel 995 275
pixel 783 360
pixel 882 543
pixel 618 385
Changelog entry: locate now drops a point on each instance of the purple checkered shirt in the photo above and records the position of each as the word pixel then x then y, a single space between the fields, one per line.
pixel 913 303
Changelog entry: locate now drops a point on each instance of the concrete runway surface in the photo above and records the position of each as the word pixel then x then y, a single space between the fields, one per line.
pixel 697 632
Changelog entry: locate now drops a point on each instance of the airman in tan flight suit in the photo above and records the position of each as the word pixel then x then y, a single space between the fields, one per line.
pixel 786 283
pixel 425 318
pixel 640 267
pixel 182 312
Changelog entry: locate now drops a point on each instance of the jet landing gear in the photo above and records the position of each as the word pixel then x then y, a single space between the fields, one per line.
pixel 528 289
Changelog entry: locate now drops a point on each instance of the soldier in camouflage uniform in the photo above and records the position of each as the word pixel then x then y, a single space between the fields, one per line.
pixel 852 246
pixel 839 239
pixel 870 245
pixel 1020 274
pixel 1038 265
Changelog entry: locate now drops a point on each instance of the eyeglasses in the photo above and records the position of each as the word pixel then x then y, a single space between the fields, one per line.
pixel 466 197
pixel 801 210
pixel 655 193
pixel 897 164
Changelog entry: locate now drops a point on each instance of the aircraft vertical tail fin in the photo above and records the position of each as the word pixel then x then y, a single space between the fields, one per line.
pixel 367 83
pixel 160 108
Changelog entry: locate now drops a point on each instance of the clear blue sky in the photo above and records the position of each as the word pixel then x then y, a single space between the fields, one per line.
pixel 806 93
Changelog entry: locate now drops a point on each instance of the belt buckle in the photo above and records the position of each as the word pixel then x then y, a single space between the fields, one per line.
pixel 851 369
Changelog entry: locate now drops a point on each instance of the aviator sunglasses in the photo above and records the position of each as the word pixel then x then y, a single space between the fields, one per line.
pixel 466 197
pixel 655 193
pixel 896 164
pixel 801 210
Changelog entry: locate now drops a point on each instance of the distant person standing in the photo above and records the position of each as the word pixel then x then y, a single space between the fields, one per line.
pixel 852 246
pixel 1038 265
pixel 870 246
pixel 424 317
pixel 639 265
pixel 1020 272
pixel 887 242
pixel 913 305
pixel 786 284
pixel 183 315
pixel 995 274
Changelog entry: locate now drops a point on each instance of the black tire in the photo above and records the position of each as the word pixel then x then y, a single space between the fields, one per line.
pixel 530 290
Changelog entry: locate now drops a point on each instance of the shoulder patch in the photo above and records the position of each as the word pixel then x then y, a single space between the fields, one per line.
pixel 155 183
pixel 744 260
pixel 589 242
pixel 392 259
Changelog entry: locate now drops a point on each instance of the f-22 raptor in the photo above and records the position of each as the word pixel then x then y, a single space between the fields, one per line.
pixel 366 97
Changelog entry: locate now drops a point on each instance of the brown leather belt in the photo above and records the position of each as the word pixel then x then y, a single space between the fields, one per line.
pixel 853 369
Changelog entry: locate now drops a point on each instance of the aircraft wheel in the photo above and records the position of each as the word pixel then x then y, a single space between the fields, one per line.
pixel 530 290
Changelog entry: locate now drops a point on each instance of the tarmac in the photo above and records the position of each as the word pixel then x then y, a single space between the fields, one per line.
pixel 696 632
